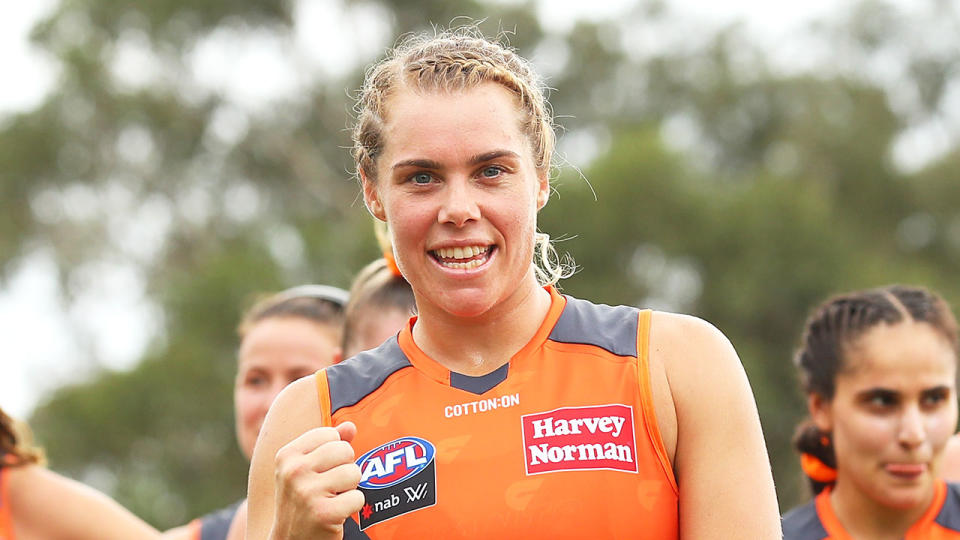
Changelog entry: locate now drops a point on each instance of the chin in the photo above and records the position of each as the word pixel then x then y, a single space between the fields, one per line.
pixel 906 498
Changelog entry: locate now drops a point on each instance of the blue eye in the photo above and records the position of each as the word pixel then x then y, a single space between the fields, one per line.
pixel 491 172
pixel 421 178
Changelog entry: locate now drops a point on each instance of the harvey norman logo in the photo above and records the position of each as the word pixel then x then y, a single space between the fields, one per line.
pixel 580 438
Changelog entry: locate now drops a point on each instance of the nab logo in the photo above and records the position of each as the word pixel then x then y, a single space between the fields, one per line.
pixel 394 462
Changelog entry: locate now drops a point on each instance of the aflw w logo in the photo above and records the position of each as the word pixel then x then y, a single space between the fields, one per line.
pixel 415 493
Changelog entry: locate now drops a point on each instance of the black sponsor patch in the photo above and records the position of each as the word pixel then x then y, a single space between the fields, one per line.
pixel 397 478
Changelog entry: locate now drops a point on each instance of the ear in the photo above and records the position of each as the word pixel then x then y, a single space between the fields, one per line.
pixel 821 412
pixel 543 188
pixel 371 197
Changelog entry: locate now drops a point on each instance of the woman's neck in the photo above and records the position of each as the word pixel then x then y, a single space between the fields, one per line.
pixel 479 345
pixel 864 517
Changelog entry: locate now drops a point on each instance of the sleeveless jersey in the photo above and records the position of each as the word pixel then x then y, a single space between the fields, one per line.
pixel 817 521
pixel 560 442
pixel 215 525
pixel 6 520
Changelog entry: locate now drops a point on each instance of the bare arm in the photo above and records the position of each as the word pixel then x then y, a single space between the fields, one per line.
pixel 190 531
pixel 721 463
pixel 238 527
pixel 48 505
pixel 303 479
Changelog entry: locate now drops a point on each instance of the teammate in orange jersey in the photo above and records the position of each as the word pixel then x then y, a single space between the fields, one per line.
pixel 879 370
pixel 504 409
pixel 283 337
pixel 36 503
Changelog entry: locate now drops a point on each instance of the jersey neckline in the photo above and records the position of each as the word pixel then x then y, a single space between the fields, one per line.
pixel 837 531
pixel 437 371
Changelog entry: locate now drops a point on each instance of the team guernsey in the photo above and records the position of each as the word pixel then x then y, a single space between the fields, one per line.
pixel 817 521
pixel 560 442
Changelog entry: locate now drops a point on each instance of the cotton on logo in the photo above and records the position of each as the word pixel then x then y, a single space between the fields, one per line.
pixel 580 438
pixel 394 462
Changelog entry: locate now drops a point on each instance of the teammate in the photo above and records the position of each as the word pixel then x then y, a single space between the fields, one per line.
pixel 504 409
pixel 381 301
pixel 879 369
pixel 36 503
pixel 283 337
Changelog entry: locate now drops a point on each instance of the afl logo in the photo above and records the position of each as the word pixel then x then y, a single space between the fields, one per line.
pixel 394 462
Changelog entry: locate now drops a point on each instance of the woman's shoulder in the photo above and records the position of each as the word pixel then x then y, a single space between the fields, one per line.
pixel 689 346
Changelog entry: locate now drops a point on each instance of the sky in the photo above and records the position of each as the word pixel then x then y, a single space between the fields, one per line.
pixel 39 349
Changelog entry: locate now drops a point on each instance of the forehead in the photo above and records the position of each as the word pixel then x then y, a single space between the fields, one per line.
pixel 280 341
pixel 470 121
pixel 900 355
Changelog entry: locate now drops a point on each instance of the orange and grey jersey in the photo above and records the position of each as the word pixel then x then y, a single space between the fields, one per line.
pixel 560 442
pixel 816 520
pixel 6 519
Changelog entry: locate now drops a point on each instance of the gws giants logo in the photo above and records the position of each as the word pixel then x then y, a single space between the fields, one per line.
pixel 396 478
pixel 580 438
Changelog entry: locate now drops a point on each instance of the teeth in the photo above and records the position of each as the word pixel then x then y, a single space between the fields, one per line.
pixel 460 252
pixel 463 265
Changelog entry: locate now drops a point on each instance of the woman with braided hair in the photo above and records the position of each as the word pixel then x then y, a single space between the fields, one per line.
pixel 504 409
pixel 381 301
pixel 38 504
pixel 879 370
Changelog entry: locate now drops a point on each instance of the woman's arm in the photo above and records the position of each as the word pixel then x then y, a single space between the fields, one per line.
pixel 190 531
pixel 47 505
pixel 303 479
pixel 238 527
pixel 721 463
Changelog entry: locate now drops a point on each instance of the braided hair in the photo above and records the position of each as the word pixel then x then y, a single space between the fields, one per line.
pixel 838 323
pixel 456 60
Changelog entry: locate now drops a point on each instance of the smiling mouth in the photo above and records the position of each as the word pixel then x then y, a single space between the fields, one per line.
pixel 462 258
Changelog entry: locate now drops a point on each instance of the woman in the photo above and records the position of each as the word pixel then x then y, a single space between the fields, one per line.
pixel 283 337
pixel 879 369
pixel 36 503
pixel 504 409
pixel 381 301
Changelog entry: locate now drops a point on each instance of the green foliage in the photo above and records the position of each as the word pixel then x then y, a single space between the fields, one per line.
pixel 781 191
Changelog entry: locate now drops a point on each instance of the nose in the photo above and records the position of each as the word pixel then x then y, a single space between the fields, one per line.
pixel 459 204
pixel 912 431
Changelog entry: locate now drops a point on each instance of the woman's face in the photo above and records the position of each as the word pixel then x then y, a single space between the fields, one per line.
pixel 374 327
pixel 891 416
pixel 457 184
pixel 275 352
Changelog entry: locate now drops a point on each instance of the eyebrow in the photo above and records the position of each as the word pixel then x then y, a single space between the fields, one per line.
pixel 474 160
pixel 882 390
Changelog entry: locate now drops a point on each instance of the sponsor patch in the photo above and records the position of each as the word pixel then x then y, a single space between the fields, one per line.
pixel 580 438
pixel 397 478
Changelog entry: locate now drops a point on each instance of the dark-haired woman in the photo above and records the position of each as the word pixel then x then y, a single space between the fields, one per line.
pixel 878 368
pixel 38 504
